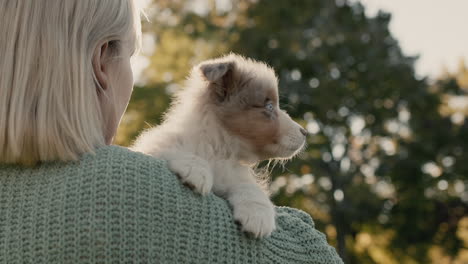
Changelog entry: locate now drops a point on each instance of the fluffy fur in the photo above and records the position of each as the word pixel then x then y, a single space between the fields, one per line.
pixel 225 121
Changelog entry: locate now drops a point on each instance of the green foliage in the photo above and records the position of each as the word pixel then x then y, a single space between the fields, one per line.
pixel 385 161
pixel 146 109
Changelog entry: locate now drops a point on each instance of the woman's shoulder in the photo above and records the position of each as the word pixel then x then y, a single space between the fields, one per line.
pixel 118 154
pixel 116 162
pixel 106 165
pixel 120 158
pixel 109 166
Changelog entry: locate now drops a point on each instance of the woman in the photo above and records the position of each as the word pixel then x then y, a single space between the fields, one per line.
pixel 66 195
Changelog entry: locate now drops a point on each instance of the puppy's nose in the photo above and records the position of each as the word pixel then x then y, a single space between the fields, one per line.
pixel 304 132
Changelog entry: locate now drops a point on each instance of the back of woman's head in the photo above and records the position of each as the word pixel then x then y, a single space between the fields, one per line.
pixel 49 105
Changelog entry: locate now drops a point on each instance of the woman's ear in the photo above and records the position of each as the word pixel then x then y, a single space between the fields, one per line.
pixel 100 65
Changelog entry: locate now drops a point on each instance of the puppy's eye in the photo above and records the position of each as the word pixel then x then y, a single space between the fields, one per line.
pixel 269 106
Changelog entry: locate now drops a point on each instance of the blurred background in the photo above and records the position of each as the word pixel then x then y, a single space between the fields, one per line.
pixel 383 94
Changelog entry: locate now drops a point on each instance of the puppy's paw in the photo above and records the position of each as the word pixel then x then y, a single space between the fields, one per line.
pixel 193 172
pixel 255 217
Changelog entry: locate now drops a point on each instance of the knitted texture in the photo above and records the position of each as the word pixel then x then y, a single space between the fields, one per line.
pixel 118 206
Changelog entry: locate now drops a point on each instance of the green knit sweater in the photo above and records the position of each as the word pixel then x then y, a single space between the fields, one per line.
pixel 119 206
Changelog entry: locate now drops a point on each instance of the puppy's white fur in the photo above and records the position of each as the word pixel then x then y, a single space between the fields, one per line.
pixel 216 131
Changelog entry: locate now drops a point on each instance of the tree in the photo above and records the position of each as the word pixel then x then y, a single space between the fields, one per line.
pixel 345 77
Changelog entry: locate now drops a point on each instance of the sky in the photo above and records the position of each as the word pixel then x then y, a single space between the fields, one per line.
pixel 437 30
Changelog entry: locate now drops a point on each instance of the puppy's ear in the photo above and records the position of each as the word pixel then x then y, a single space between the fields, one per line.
pixel 213 72
pixel 220 75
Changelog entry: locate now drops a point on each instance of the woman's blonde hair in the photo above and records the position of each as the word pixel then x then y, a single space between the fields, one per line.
pixel 49 106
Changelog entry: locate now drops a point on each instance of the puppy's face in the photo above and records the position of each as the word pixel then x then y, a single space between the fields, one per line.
pixel 245 96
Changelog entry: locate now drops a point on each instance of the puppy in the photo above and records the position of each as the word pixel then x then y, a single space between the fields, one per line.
pixel 225 121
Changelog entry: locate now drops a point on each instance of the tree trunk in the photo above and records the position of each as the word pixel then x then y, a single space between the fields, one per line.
pixel 341 233
pixel 338 212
